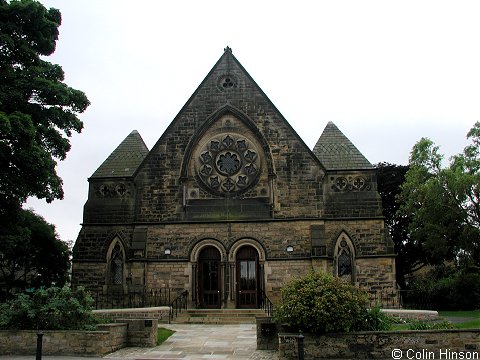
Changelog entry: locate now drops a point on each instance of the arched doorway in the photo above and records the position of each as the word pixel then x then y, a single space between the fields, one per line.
pixel 209 278
pixel 248 289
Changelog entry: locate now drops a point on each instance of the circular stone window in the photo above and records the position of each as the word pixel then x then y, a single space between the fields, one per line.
pixel 227 163
pixel 226 82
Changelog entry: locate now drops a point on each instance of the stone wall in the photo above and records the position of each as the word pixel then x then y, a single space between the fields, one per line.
pixel 160 313
pixel 267 334
pixel 141 333
pixel 437 344
pixel 277 273
pixel 107 338
pixel 422 315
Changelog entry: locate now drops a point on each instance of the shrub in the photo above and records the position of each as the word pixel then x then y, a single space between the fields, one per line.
pixel 422 325
pixel 320 303
pixel 374 320
pixel 51 309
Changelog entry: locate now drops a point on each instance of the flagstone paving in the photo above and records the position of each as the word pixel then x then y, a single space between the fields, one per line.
pixel 202 342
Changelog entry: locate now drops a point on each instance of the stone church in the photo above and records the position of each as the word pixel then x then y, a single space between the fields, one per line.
pixel 230 203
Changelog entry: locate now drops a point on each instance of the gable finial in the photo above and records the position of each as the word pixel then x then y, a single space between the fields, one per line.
pixel 228 49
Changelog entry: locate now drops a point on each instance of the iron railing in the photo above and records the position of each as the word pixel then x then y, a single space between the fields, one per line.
pixel 385 299
pixel 266 304
pixel 402 299
pixel 133 299
pixel 178 305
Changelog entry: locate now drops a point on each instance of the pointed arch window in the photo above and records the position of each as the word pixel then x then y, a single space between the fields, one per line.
pixel 344 267
pixel 116 265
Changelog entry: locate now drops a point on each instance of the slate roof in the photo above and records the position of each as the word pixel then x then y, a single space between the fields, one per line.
pixel 125 159
pixel 336 152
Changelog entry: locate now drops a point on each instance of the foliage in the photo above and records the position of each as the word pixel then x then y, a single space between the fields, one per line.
pixel 163 334
pixel 31 254
pixel 374 320
pixel 38 112
pixel 422 325
pixel 320 303
pixel 449 288
pixel 410 256
pixel 51 309
pixel 444 202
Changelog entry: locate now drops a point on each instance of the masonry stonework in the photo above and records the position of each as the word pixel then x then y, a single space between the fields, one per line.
pixel 230 203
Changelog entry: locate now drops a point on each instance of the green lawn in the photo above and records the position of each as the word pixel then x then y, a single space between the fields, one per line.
pixel 465 320
pixel 470 314
pixel 163 334
pixel 474 324
pixel 469 319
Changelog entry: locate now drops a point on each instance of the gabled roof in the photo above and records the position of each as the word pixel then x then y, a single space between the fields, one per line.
pixel 125 159
pixel 228 64
pixel 336 152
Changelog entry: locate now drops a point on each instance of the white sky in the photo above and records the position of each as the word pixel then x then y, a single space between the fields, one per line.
pixel 385 72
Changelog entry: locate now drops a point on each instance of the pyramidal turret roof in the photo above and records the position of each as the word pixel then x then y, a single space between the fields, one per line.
pixel 125 159
pixel 336 152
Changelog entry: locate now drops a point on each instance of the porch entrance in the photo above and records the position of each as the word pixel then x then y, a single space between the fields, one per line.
pixel 209 278
pixel 247 278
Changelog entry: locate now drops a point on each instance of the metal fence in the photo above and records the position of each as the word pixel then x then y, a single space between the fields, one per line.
pixel 134 299
pixel 401 299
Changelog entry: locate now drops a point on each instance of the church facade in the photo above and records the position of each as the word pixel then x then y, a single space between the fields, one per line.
pixel 230 203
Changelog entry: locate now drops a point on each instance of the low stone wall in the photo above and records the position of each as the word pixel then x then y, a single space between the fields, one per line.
pixel 108 338
pixel 161 313
pixel 142 333
pixel 267 333
pixel 422 315
pixel 434 344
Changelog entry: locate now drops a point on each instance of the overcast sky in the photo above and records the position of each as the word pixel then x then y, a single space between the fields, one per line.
pixel 385 72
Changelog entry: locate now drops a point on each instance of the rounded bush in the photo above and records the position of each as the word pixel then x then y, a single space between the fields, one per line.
pixel 321 303
pixel 51 309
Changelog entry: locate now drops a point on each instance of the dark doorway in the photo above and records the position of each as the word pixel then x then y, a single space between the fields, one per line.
pixel 209 278
pixel 247 278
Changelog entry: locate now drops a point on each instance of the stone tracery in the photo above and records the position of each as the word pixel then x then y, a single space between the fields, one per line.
pixel 228 163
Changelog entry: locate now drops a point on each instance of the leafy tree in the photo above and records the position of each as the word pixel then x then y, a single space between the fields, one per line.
pixel 444 202
pixel 390 178
pixel 38 112
pixel 31 254
pixel 446 287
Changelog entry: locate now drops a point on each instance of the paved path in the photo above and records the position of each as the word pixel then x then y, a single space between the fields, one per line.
pixel 202 342
pixel 189 342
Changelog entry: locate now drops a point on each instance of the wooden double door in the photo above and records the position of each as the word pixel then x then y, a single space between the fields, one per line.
pixel 211 278
pixel 247 269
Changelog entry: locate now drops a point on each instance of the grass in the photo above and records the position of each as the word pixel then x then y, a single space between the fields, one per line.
pixel 474 324
pixel 472 320
pixel 163 334
pixel 466 314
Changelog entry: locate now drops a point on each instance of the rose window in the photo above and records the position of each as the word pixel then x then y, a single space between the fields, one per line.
pixel 228 163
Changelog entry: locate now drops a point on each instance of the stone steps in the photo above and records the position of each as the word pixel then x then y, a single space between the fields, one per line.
pixel 218 316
